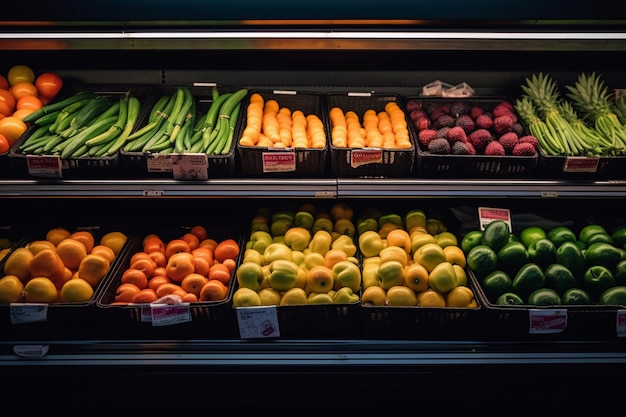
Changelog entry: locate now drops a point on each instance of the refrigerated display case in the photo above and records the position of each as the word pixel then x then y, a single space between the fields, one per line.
pixel 334 47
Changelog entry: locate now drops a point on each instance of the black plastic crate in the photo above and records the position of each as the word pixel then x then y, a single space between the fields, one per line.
pixel 582 168
pixel 263 161
pixel 80 167
pixel 369 162
pixel 159 165
pixel 431 165
pixel 213 317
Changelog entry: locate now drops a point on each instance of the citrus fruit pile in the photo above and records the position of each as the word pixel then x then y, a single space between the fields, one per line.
pixel 543 267
pixel 65 266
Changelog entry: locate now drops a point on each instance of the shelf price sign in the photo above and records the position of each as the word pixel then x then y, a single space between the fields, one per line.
pixel 258 322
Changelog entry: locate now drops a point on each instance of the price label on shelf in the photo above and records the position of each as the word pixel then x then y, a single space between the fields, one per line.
pixel 168 314
pixel 621 323
pixel 44 166
pixel 28 313
pixel 258 322
pixel 488 214
pixel 544 321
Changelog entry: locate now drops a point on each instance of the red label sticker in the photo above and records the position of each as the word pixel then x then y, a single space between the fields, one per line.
pixel 547 321
pixel 279 161
pixel 44 166
pixel 488 214
pixel 580 164
pixel 360 157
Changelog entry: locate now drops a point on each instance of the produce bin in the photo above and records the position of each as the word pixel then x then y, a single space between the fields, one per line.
pixel 23 165
pixel 479 165
pixel 138 164
pixel 207 318
pixel 581 168
pixel 369 162
pixel 267 162
pixel 70 317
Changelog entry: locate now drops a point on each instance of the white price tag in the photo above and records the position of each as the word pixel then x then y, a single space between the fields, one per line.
pixel 544 321
pixel 45 166
pixel 488 214
pixel 190 166
pixel 28 313
pixel 258 322
pixel 168 314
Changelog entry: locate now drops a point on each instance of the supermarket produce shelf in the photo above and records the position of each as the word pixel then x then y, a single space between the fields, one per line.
pixel 314 188
pixel 306 353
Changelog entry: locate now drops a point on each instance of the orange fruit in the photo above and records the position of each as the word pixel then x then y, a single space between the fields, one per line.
pixel 200 232
pixel 209 244
pixel 430 298
pixel 67 275
pixel 125 292
pixel 11 288
pixel 135 276
pixel 226 249
pixel 213 290
pixel 169 288
pixel 115 240
pixel 156 281
pixel 57 234
pixel 28 103
pixel 104 251
pixel 220 272
pixel 12 128
pixel 146 265
pixel 93 268
pixel 47 263
pixel 5 146
pixel 144 296
pixel 158 258
pixel 21 113
pixel 202 266
pixel 193 283
pixel 18 262
pixel 40 290
pixel 203 252
pixel 71 252
pixel 374 296
pixel 176 246
pixel 76 290
pixel 37 245
pixel 23 89
pixel 192 240
pixel 190 298
pixel 85 237
pixel 179 265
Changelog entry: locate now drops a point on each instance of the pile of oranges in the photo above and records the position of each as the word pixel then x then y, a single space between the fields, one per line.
pixel 21 93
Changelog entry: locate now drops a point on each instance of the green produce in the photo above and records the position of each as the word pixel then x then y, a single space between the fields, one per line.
pixel 559 278
pixel 370 243
pixel 542 252
pixel 510 299
pixel 529 278
pixel 495 284
pixel 597 279
pixel 345 295
pixel 414 218
pixel 277 251
pixel 620 273
pixel 250 275
pixel 561 234
pixel 576 296
pixel 366 224
pixel 512 257
pixel 347 274
pixel 259 241
pixel 598 237
pixel 297 238
pixel 587 231
pixel 392 218
pixel 619 237
pixel 604 254
pixel 544 297
pixel 283 274
pixel 471 239
pixel 572 257
pixel 390 273
pixel 613 296
pixel 443 277
pixel 495 235
pixel 482 260
pixel 430 255
pixel 444 239
pixel 304 219
pixel 532 233
pixel 420 239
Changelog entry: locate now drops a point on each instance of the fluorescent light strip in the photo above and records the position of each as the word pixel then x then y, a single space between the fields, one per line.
pixel 322 35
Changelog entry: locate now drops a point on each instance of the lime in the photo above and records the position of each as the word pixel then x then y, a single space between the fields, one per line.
pixel 470 240
pixel 598 237
pixel 620 273
pixel 496 234
pixel 509 298
pixel 576 296
pixel 598 279
pixel 613 296
pixel 512 257
pixel 529 278
pixel 495 284
pixel 559 278
pixel 531 233
pixel 544 297
pixel 482 260
pixel 542 252
pixel 561 234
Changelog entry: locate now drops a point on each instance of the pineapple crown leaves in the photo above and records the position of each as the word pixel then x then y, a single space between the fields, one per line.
pixel 543 91
pixel 590 96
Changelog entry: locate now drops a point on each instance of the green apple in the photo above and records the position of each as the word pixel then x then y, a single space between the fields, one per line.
pixel 366 224
pixel 319 298
pixel 275 251
pixel 345 295
pixel 323 223
pixel 347 274
pixel 283 274
pixel 249 275
pixel 253 255
pixel 259 240
pixel 304 219
pixel 246 297
pixel 390 273
pixel 444 239
pixel 279 227
pixel 370 243
pixel 414 218
pixel 419 239
pixel 392 218
pixel 443 277
pixel 297 238
pixel 430 255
